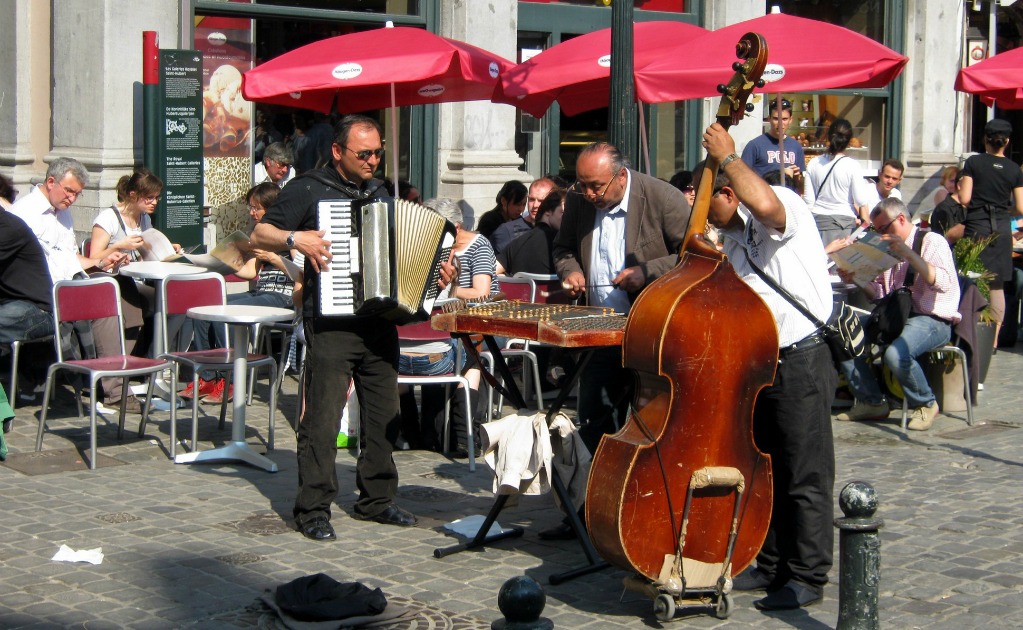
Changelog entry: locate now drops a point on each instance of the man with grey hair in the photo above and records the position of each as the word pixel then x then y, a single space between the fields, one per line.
pixel 935 291
pixel 276 166
pixel 46 212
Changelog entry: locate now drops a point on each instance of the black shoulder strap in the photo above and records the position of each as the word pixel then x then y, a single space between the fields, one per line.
pixel 833 164
pixel 918 243
pixel 351 191
pixel 782 292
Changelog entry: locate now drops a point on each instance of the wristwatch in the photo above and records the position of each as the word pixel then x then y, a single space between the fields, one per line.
pixel 290 241
pixel 729 159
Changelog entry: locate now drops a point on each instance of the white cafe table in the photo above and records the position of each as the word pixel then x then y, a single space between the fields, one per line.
pixel 158 272
pixel 239 317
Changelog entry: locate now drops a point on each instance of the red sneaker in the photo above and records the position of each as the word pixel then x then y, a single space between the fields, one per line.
pixel 216 396
pixel 205 388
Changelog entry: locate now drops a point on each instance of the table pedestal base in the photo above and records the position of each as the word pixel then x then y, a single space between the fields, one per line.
pixel 232 451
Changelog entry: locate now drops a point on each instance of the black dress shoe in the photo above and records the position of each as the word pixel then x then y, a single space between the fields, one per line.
pixel 318 528
pixel 562 531
pixel 751 579
pixel 789 597
pixel 393 515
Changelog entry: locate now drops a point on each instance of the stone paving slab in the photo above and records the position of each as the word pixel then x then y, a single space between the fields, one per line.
pixel 195 546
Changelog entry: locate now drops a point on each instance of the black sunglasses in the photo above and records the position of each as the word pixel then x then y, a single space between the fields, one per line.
pixel 368 153
pixel 785 104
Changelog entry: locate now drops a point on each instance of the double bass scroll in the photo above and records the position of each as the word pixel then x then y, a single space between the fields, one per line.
pixel 701 344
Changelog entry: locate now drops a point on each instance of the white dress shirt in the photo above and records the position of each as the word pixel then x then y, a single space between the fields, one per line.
pixel 55 231
pixel 608 254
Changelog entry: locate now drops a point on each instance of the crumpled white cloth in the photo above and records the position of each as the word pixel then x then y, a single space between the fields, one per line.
pixel 67 554
pixel 470 526
pixel 518 449
pixel 571 458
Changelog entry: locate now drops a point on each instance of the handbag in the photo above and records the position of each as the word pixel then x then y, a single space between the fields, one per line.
pixel 844 334
pixel 892 311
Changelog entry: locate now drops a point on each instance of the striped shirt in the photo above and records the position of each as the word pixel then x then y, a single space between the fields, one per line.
pixel 940 299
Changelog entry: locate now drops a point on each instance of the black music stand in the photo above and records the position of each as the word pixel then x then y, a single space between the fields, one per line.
pixel 511 390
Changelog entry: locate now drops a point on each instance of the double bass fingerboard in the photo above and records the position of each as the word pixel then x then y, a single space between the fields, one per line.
pixel 555 324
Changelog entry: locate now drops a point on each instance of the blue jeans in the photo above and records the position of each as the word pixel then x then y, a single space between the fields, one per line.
pixel 21 320
pixel 422 365
pixel 207 335
pixel 920 335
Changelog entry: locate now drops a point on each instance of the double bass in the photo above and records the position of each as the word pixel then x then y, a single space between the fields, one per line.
pixel 681 495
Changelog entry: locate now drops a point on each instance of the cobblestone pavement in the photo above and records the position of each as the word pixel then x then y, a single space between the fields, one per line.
pixel 195 546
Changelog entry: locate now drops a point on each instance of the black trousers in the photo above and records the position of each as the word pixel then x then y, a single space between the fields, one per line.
pixel 337 350
pixel 792 423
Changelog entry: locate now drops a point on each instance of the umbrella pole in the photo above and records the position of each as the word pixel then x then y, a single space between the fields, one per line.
pixel 643 139
pixel 394 141
pixel 781 138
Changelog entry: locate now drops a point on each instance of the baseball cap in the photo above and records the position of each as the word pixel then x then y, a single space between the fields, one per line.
pixel 998 126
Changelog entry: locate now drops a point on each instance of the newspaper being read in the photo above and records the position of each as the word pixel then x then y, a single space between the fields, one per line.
pixel 226 258
pixel 865 258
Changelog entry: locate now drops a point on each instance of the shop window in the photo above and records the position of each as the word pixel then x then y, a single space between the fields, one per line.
pixel 866 17
pixel 397 7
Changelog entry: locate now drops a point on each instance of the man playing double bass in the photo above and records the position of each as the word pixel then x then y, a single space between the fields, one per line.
pixel 771 228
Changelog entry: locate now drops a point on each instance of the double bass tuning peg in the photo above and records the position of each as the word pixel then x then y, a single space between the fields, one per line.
pixel 749 107
pixel 737 66
pixel 722 88
pixel 761 83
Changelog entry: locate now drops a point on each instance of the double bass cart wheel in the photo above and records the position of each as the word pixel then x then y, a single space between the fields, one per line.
pixel 712 581
pixel 667 604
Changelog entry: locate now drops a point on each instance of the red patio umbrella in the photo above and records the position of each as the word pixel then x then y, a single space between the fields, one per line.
pixel 998 79
pixel 577 73
pixel 385 67
pixel 375 69
pixel 805 55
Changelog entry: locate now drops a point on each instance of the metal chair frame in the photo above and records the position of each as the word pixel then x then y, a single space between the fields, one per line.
pixel 87 300
pixel 205 289
pixel 423 331
pixel 957 353
pixel 15 354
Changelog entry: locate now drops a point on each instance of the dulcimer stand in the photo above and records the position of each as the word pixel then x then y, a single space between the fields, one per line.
pixel 510 389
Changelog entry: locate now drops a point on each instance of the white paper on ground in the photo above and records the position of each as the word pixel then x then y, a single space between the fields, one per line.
pixel 67 554
pixel 470 526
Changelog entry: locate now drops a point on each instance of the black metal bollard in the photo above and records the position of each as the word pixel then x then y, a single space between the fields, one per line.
pixel 522 599
pixel 859 557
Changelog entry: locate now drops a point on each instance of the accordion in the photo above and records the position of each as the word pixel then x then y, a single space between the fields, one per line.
pixel 386 260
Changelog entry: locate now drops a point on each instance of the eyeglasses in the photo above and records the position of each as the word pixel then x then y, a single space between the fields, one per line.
pixel 688 189
pixel 72 193
pixel 580 188
pixel 884 228
pixel 152 199
pixel 366 154
pixel 283 165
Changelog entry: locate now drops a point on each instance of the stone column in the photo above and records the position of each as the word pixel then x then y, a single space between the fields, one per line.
pixel 932 122
pixel 24 89
pixel 96 89
pixel 477 139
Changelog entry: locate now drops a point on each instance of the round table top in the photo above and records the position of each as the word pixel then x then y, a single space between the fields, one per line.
pixel 241 313
pixel 156 270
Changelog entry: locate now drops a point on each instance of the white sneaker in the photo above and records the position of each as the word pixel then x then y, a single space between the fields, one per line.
pixel 923 417
pixel 865 411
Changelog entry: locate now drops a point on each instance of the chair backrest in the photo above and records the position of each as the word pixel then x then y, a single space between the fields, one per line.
pixel 422 331
pixel 549 289
pixel 183 292
pixel 179 293
pixel 87 247
pixel 516 288
pixel 86 300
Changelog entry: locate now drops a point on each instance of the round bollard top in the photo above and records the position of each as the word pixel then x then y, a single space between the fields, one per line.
pixel 521 599
pixel 858 500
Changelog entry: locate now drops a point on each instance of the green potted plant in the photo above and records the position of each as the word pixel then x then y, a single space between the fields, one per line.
pixel 966 253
